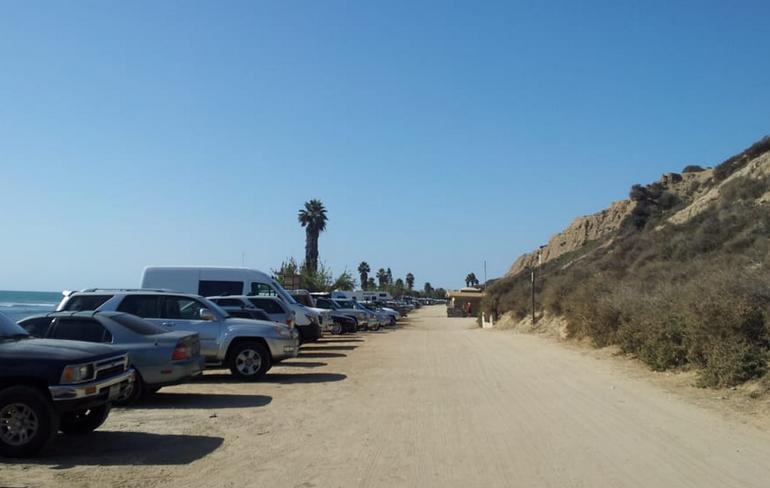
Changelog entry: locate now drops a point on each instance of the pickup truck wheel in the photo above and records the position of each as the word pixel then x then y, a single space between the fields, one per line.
pixel 249 361
pixel 336 328
pixel 28 422
pixel 79 423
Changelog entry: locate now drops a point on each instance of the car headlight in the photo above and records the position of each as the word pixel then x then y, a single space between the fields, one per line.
pixel 77 374
pixel 284 332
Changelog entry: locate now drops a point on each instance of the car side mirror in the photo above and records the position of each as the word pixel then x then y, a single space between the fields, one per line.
pixel 206 314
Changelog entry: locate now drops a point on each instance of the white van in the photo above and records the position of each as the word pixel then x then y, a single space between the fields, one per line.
pixel 211 281
pixel 362 296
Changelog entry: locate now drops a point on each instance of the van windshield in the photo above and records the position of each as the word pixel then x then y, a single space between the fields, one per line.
pixel 285 295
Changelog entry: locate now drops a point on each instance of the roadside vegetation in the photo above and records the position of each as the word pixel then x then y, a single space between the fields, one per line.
pixel 695 294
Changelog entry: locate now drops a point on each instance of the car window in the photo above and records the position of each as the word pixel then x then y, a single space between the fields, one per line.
pixel 79 329
pixel 145 306
pixel 183 308
pixel 138 325
pixel 263 289
pixel 323 303
pixel 80 303
pixel 269 306
pixel 210 288
pixel 303 299
pixel 36 326
pixel 228 302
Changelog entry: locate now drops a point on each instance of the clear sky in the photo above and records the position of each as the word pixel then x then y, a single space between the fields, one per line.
pixel 438 134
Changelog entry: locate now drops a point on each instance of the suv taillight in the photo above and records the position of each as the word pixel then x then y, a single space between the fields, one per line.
pixel 182 351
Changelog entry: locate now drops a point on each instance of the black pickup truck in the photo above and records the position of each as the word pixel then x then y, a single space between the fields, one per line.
pixel 49 385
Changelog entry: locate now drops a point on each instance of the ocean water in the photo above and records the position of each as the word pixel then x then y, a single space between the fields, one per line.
pixel 19 304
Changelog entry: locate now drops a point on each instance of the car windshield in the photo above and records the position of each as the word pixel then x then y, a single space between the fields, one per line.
pixel 346 303
pixel 10 330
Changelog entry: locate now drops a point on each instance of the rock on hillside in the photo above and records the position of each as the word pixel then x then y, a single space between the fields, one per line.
pixel 582 230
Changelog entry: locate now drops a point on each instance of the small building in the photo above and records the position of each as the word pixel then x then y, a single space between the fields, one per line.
pixel 457 301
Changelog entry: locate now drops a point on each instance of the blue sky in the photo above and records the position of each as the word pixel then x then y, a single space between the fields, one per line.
pixel 438 134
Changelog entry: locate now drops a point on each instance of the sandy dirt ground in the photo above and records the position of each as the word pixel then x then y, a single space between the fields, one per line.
pixel 435 402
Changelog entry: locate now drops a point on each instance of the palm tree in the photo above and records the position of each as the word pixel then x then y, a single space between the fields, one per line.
pixel 410 281
pixel 363 272
pixel 313 219
pixel 389 273
pixel 471 280
pixel 382 278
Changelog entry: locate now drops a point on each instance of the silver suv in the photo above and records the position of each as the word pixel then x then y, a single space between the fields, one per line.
pixel 248 347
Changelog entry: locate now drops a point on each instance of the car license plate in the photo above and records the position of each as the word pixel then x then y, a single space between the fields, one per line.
pixel 114 392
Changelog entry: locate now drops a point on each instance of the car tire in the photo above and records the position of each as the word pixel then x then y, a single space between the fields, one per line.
pixel 336 328
pixel 392 321
pixel 39 422
pixel 79 423
pixel 376 327
pixel 249 361
pixel 137 390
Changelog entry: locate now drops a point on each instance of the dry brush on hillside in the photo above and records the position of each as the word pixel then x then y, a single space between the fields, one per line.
pixel 691 291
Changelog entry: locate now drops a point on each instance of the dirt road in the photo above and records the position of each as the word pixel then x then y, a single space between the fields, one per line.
pixel 433 403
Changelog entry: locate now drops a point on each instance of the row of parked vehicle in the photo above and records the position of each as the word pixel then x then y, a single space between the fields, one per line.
pixel 62 371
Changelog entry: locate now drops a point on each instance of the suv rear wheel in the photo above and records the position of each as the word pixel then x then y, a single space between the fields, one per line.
pixel 28 422
pixel 249 360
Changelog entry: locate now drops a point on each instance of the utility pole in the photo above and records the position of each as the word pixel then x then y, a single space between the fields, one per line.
pixel 532 279
pixel 485 275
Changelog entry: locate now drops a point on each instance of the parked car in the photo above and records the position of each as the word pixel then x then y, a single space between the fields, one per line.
pixel 210 281
pixel 373 321
pixel 276 310
pixel 389 316
pixel 361 317
pixel 48 385
pixel 248 347
pixel 339 323
pixel 159 356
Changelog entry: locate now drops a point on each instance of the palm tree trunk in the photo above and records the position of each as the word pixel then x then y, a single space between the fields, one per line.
pixel 311 249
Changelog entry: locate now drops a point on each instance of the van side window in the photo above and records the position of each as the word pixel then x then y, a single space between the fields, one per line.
pixel 210 288
pixel 262 289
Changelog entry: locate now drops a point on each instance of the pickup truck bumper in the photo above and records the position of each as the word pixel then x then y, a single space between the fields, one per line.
pixel 93 393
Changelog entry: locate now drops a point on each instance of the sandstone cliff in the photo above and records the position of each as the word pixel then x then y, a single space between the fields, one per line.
pixel 582 230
